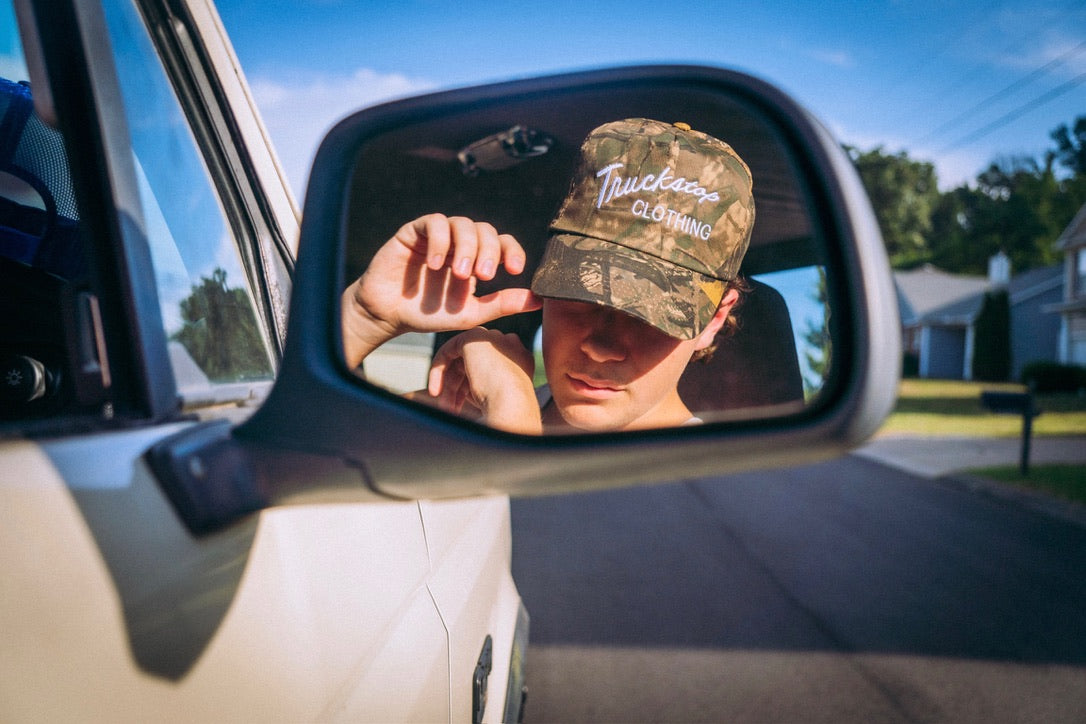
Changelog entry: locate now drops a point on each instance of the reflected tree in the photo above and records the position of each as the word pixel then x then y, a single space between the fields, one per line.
pixel 819 343
pixel 220 331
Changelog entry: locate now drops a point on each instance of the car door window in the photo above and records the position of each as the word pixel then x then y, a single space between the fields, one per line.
pixel 215 333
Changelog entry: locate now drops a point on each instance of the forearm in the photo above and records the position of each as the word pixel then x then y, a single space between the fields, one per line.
pixel 361 332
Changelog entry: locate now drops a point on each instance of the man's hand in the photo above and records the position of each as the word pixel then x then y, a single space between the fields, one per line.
pixel 486 374
pixel 423 280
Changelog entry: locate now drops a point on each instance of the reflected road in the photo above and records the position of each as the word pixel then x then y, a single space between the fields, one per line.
pixel 841 591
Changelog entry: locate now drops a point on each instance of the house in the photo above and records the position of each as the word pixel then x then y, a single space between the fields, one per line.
pixel 940 311
pixel 938 349
pixel 1071 309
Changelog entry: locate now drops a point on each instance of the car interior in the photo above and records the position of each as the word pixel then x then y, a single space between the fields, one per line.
pixel 41 261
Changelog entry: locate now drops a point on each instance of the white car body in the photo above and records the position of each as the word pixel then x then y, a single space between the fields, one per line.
pixel 112 611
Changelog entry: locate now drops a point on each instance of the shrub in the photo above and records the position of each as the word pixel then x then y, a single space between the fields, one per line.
pixel 992 354
pixel 910 365
pixel 1044 376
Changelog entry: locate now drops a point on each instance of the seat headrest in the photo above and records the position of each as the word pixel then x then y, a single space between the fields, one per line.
pixel 45 235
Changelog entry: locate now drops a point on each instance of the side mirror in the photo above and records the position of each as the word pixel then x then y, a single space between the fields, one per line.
pixel 503 153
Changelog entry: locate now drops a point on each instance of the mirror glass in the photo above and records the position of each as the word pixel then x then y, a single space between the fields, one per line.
pixel 509 164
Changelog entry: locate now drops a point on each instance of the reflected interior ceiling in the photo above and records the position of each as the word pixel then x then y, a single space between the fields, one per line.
pixel 413 168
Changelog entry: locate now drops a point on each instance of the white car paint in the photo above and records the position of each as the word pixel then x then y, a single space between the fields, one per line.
pixel 112 611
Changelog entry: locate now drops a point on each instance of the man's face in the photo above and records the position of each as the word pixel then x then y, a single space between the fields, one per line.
pixel 610 371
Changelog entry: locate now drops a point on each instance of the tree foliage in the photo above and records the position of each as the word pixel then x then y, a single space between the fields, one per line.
pixel 220 331
pixel 818 338
pixel 1071 146
pixel 903 194
pixel 1019 205
pixel 992 332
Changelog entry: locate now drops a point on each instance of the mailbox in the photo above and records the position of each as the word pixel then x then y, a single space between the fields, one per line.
pixel 1015 403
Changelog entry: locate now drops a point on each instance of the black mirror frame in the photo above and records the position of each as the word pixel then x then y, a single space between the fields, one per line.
pixel 403 450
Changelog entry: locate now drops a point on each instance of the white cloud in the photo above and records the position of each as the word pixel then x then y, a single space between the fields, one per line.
pixel 836 58
pixel 298 110
pixel 957 168
pixel 1057 38
pixel 1069 52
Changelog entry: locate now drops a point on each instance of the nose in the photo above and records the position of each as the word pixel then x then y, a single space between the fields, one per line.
pixel 606 339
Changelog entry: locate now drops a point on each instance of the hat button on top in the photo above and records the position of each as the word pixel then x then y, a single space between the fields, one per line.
pixel 681 126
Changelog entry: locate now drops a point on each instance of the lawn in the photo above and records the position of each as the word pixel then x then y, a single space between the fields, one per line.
pixel 949 407
pixel 952 408
pixel 1063 481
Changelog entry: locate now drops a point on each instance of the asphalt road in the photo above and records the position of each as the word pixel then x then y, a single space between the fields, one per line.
pixel 845 591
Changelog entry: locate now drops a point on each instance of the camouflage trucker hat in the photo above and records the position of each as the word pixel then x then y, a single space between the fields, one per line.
pixel 656 222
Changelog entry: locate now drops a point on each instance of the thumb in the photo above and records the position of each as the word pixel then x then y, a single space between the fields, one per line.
pixel 505 302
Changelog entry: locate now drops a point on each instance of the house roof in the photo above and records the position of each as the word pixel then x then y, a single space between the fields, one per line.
pixel 1075 233
pixel 1020 288
pixel 928 288
pixel 1032 282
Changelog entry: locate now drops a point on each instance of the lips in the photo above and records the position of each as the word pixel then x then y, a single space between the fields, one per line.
pixel 592 386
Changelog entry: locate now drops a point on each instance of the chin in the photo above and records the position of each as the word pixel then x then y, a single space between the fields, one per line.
pixel 591 418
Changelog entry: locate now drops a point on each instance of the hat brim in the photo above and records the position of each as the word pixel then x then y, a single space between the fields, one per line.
pixel 676 300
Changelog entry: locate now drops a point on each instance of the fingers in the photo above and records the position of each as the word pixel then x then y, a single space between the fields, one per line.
pixel 443 358
pixel 494 249
pixel 429 237
pixel 512 253
pixel 449 387
pixel 477 366
pixel 468 248
pixel 505 302
pixel 477 248
pixel 448 378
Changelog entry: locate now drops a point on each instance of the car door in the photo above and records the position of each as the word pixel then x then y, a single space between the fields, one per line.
pixel 111 608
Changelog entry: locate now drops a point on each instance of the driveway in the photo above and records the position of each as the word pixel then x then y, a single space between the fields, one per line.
pixel 851 590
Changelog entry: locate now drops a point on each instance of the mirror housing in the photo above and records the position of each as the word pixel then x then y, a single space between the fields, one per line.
pixel 389 446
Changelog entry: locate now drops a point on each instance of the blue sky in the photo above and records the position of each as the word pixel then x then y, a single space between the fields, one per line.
pixel 955 83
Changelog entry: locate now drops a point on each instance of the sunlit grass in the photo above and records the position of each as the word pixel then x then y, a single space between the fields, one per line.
pixel 952 408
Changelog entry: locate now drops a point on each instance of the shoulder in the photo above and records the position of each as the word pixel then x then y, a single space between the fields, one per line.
pixel 543 395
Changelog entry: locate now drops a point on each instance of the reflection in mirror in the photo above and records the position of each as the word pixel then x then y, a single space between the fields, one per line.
pixel 451 218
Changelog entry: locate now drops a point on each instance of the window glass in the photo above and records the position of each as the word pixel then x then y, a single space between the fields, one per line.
pixel 1080 281
pixel 208 306
pixel 12 63
pixel 804 291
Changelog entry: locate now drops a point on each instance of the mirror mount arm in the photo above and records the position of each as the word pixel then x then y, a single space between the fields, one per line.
pixel 213 479
pixel 208 476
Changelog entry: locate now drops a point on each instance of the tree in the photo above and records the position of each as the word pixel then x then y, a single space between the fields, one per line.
pixel 818 338
pixel 220 331
pixel 1012 209
pixel 952 246
pixel 1070 153
pixel 992 338
pixel 1019 205
pixel 903 193
pixel 1071 146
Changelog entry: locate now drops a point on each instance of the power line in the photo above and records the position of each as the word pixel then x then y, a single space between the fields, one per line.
pixel 1020 83
pixel 1017 112
pixel 1054 16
